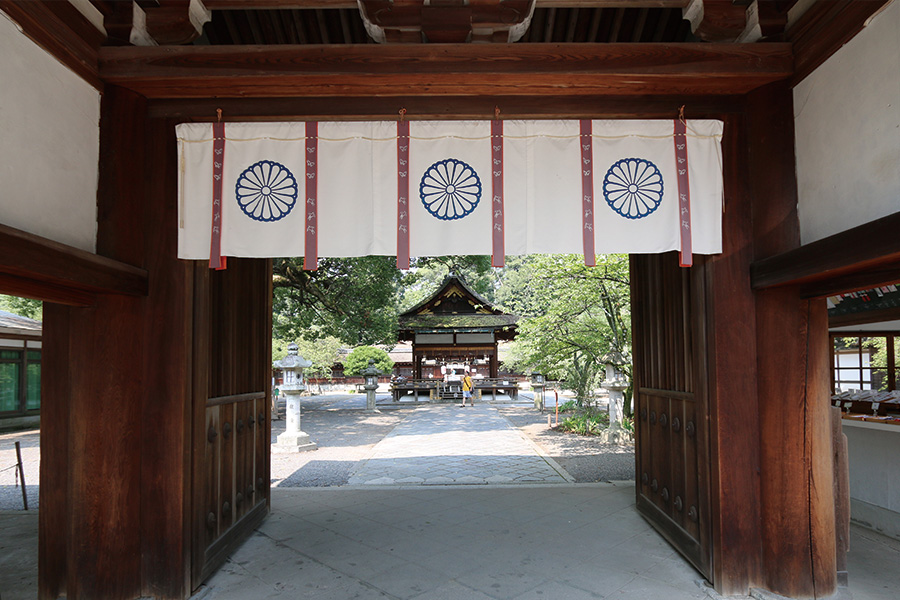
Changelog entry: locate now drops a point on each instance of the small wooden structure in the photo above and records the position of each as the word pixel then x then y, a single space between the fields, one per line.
pixel 20 371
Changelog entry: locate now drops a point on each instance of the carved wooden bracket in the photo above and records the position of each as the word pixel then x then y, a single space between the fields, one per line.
pixel 446 21
pixel 716 20
pixel 158 23
pixel 176 21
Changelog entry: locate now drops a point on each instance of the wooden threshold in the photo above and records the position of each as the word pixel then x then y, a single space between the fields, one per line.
pixel 860 258
pixel 36 267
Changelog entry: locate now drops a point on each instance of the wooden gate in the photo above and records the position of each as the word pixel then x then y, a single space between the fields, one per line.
pixel 671 404
pixel 232 428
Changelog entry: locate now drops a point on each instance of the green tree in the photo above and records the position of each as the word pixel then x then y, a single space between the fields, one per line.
pixel 576 317
pixel 352 299
pixel 24 307
pixel 323 352
pixel 358 361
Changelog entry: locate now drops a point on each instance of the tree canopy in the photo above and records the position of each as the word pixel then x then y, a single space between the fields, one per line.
pixel 24 307
pixel 358 361
pixel 323 352
pixel 577 318
pixel 352 299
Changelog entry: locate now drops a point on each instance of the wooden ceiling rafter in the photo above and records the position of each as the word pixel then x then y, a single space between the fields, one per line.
pixel 60 29
pixel 824 28
pixel 445 69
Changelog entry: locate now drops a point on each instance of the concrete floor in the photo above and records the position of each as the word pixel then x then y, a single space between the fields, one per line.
pixel 550 542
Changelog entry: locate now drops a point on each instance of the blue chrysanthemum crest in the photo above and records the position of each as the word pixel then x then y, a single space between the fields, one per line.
pixel 450 189
pixel 266 191
pixel 633 187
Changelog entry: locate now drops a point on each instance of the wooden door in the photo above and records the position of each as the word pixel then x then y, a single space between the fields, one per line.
pixel 671 407
pixel 232 429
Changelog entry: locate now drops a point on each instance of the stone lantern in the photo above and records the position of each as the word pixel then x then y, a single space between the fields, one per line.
pixel 370 375
pixel 293 440
pixel 537 384
pixel 616 384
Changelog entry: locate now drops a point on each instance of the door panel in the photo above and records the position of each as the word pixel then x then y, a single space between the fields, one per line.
pixel 670 403
pixel 232 378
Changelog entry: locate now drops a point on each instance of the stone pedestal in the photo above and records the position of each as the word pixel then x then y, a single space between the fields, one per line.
pixel 293 440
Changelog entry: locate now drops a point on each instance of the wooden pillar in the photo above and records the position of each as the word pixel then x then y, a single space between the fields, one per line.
pixel 116 419
pixel 732 384
pixel 796 462
pixel 495 362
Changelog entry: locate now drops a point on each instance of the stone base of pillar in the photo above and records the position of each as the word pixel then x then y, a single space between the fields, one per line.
pixel 615 434
pixel 289 443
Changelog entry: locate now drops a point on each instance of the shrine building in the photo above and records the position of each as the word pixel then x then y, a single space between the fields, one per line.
pixel 455 325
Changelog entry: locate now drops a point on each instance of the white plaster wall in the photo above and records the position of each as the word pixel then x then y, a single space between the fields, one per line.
pixel 874 475
pixel 49 144
pixel 847 119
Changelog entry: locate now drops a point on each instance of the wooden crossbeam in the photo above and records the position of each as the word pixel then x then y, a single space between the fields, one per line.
pixel 351 4
pixel 445 69
pixel 40 268
pixel 863 257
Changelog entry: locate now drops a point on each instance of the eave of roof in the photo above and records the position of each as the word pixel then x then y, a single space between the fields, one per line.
pixel 448 281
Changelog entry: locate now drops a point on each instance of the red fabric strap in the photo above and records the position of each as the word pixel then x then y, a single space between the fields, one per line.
pixel 498 252
pixel 684 193
pixel 216 260
pixel 587 192
pixel 311 245
pixel 402 194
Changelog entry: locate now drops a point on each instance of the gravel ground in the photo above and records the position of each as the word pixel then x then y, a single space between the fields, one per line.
pixel 584 457
pixel 10 493
pixel 346 436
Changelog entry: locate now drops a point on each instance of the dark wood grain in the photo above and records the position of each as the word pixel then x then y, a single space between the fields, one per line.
pixel 796 483
pixel 864 256
pixel 166 408
pixel 445 69
pixel 731 374
pixel 104 449
pixel 448 107
pixel 53 493
pixel 773 184
pixel 671 462
pixel 335 4
pixel 28 256
pixel 47 292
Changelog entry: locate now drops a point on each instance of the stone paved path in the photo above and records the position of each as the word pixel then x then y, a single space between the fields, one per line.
pixel 446 444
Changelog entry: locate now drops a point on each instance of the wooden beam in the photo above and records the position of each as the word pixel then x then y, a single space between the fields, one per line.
pixel 352 4
pixel 46 292
pixel 824 28
pixel 864 317
pixel 447 107
pixel 61 30
pixel 48 263
pixel 445 69
pixel 863 257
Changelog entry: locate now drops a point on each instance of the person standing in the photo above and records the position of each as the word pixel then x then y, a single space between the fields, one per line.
pixel 467 389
